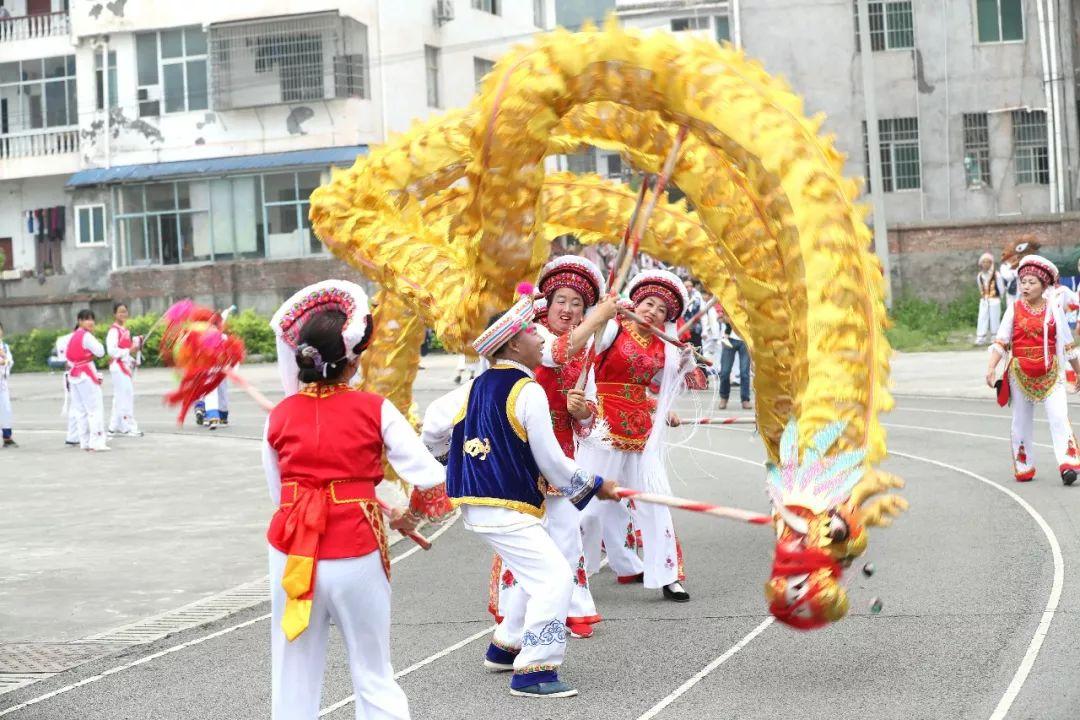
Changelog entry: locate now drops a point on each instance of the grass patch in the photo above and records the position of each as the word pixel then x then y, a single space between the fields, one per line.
pixel 925 325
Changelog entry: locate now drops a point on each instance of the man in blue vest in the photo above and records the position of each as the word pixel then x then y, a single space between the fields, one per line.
pixel 503 460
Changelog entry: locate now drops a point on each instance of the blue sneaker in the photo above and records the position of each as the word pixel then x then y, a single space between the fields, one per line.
pixel 556 689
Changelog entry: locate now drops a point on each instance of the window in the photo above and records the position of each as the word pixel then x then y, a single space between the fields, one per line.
pixel 900 165
pixel 540 13
pixel 1000 20
pixel 723 28
pixel 582 162
pixel 171 68
pixel 38 94
pixel 1031 155
pixel 243 216
pixel 89 225
pixel 301 58
pixel 977 150
pixel 892 25
pixel 488 6
pixel 100 79
pixel 481 68
pixel 614 166
pixel 431 60
pixel 689 23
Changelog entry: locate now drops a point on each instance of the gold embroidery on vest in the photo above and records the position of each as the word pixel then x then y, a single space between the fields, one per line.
pixel 477 448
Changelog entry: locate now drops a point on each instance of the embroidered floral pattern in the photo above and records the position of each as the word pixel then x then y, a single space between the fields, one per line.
pixel 536 669
pixel 581 578
pixel 507 580
pixel 553 632
pixel 631 540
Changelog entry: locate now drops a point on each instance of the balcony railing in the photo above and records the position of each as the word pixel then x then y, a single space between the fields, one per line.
pixel 31 27
pixel 38 144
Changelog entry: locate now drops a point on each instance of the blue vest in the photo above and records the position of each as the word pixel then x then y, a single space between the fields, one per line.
pixel 490 461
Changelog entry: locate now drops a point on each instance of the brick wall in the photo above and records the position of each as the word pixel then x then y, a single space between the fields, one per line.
pixel 939 261
pixel 259 284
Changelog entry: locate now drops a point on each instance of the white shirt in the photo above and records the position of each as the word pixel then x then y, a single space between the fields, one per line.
pixel 404 451
pixel 7 361
pixel 92 344
pixel 534 414
pixel 112 346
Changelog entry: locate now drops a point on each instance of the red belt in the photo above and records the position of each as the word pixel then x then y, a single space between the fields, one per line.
pixel 337 491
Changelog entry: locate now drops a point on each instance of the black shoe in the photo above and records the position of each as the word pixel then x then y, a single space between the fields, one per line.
pixel 676 593
pixel 1068 476
pixel 8 442
pixel 200 415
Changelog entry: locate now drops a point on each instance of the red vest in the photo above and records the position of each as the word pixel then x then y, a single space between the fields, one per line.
pixel 623 374
pixel 329 445
pixel 124 343
pixel 1027 340
pixel 556 381
pixel 81 359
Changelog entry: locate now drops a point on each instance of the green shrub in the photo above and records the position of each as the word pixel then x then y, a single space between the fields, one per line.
pixel 922 324
pixel 32 349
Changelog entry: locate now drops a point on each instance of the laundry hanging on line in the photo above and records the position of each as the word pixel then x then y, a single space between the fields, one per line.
pixel 46 222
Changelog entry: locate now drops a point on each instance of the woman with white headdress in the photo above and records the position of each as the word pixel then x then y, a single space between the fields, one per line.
pixel 322 454
pixel 637 378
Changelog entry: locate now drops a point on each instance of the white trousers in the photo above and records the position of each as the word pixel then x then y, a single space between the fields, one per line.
pixel 660 554
pixel 1023 437
pixel 123 403
pixel 217 401
pixel 5 406
pixel 89 409
pixel 535 625
pixel 608 522
pixel 355 594
pixel 989 317
pixel 561 522
pixel 72 416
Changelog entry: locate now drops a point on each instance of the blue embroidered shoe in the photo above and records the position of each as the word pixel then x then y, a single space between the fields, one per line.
pixel 499 659
pixel 556 689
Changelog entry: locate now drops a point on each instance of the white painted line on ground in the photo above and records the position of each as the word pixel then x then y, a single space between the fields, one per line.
pixel 700 675
pixel 425 662
pixel 1032 653
pixel 956 432
pixel 999 416
pixel 191 643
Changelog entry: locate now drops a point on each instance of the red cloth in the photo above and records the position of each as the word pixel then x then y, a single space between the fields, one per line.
pixel 81 359
pixel 623 372
pixel 1027 340
pixel 322 441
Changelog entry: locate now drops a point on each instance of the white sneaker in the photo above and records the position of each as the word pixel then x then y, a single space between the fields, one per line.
pixel 100 449
pixel 133 433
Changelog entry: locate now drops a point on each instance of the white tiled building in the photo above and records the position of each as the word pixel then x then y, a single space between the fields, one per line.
pixel 180 138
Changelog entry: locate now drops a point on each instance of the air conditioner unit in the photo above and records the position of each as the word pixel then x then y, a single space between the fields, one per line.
pixel 444 12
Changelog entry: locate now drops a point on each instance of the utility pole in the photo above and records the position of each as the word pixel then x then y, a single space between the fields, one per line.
pixel 877 194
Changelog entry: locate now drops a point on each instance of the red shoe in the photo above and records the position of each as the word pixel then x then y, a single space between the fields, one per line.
pixel 580 631
pixel 1026 476
pixel 630 579
pixel 592 619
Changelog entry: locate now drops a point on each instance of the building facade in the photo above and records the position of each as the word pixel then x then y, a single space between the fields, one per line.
pixel 154 150
pixel 976 105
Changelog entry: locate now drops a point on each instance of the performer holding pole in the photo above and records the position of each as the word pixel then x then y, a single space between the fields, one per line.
pixel 85 383
pixel 502 441
pixel 1042 344
pixel 631 359
pixel 329 556
pixel 122 349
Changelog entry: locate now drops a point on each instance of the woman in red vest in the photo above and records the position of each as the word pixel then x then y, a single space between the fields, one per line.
pixel 84 383
pixel 123 352
pixel 328 543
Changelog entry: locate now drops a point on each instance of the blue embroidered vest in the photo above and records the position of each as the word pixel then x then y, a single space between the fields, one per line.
pixel 490 461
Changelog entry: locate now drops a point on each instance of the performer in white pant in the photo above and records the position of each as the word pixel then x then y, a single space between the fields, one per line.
pixel 607 528
pixel 6 363
pixel 68 410
pixel 322 454
pixel 1042 344
pixel 991 288
pixel 501 443
pixel 123 352
pixel 85 383
pixel 630 360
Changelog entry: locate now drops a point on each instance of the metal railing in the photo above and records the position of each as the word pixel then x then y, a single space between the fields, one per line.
pixel 39 143
pixel 30 27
